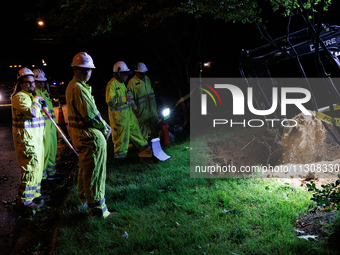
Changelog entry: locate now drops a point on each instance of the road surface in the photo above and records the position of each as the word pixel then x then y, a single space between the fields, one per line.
pixel 9 182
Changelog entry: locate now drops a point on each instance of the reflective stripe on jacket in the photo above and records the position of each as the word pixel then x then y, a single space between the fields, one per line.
pixel 26 112
pixel 144 97
pixel 84 113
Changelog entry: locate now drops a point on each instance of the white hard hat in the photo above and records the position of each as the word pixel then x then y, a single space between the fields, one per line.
pixel 39 75
pixel 24 72
pixel 120 66
pixel 141 67
pixel 82 59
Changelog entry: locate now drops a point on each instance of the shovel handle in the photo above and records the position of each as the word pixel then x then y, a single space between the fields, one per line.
pixel 59 130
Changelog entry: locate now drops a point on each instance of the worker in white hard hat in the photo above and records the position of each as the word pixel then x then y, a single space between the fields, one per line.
pixel 123 121
pixel 144 97
pixel 28 129
pixel 50 135
pixel 88 132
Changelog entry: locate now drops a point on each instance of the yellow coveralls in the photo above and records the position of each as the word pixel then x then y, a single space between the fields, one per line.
pixel 123 121
pixel 145 100
pixel 87 131
pixel 50 136
pixel 28 129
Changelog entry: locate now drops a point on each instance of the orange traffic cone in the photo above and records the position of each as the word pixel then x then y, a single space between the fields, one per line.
pixel 61 121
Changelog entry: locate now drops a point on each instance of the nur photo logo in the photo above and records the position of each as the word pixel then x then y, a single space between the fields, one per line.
pixel 238 98
pixel 204 97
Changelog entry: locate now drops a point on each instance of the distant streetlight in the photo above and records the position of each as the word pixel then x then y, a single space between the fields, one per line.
pixel 40 23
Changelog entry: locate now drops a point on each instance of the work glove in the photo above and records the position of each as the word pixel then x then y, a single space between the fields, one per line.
pixel 42 101
pixel 107 131
pixel 128 99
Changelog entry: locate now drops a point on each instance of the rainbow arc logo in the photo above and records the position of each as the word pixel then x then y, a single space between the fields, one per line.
pixel 209 93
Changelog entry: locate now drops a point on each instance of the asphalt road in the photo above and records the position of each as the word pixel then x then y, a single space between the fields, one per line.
pixel 9 182
pixel 9 169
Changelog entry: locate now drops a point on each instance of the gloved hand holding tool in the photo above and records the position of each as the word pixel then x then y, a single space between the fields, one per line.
pixel 42 101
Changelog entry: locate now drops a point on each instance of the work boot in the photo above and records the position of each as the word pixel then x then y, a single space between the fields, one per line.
pixel 145 148
pixel 41 198
pixel 111 215
pixel 56 176
pixel 31 205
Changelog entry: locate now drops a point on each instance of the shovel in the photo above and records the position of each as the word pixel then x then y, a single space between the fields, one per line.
pixel 59 130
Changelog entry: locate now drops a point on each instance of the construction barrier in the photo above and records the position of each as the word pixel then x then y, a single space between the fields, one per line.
pixel 326 118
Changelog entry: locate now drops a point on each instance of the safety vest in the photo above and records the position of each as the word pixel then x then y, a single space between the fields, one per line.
pixel 116 93
pixel 81 107
pixel 26 113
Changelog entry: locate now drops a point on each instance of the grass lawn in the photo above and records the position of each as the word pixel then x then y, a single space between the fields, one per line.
pixel 164 211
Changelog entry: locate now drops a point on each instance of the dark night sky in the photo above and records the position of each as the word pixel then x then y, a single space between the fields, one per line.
pixel 16 35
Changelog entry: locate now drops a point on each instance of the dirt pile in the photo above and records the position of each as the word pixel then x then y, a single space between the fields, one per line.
pixel 309 153
pixel 306 144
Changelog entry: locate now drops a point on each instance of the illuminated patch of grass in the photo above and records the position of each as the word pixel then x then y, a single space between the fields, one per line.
pixel 164 211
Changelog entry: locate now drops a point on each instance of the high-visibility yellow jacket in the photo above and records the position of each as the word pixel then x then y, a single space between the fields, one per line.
pixel 145 100
pixel 81 107
pixel 123 121
pixel 50 136
pixel 88 131
pixel 28 129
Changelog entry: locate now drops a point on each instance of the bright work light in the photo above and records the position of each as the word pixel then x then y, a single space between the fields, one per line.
pixel 166 113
